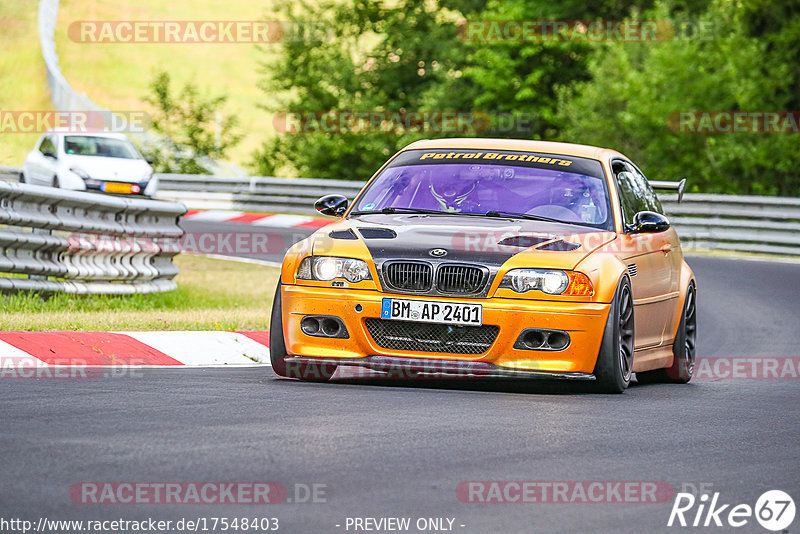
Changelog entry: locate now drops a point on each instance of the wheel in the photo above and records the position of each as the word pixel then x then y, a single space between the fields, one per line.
pixel 22 178
pixel 56 181
pixel 614 365
pixel 277 351
pixel 683 348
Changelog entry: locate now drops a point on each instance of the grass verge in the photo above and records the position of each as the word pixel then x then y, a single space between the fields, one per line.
pixel 23 83
pixel 212 294
pixel 118 75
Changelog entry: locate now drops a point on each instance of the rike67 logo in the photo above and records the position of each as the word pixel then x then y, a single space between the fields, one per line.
pixel 774 510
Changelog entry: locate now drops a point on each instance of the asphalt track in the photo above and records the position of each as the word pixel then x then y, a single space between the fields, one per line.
pixel 387 449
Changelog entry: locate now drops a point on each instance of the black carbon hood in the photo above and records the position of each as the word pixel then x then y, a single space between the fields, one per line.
pixel 485 241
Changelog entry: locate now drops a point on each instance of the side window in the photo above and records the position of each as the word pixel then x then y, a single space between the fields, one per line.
pixel 47 146
pixel 630 198
pixel 648 195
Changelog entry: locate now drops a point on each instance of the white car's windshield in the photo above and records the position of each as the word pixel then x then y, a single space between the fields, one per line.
pixel 84 145
pixel 571 190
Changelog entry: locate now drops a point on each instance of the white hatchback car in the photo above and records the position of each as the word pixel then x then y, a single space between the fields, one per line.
pixel 105 162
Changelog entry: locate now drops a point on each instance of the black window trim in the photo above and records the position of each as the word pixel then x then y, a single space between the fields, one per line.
pixel 625 227
pixel 647 182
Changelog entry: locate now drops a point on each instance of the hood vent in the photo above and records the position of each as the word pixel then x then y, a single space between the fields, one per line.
pixel 523 241
pixel 343 234
pixel 559 246
pixel 377 233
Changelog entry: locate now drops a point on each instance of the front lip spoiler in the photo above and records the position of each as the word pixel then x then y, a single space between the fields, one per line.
pixel 444 368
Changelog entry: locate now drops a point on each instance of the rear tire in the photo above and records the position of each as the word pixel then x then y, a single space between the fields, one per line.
pixel 613 369
pixel 683 348
pixel 22 178
pixel 56 182
pixel 277 351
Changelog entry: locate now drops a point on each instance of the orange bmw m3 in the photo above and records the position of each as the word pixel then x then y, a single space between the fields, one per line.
pixel 490 258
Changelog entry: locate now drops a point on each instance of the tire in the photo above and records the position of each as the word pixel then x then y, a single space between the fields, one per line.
pixel 683 348
pixel 613 369
pixel 56 182
pixel 277 351
pixel 22 178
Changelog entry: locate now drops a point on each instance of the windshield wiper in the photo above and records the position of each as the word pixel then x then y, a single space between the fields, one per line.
pixel 399 209
pixel 515 215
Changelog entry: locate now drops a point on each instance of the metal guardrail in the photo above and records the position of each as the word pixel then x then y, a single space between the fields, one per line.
pixel 725 222
pixel 254 193
pixel 79 242
pixel 739 223
pixel 9 174
pixel 64 97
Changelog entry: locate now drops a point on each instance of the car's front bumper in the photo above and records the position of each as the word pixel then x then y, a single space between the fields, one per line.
pixel 583 321
pixel 147 188
pixel 410 368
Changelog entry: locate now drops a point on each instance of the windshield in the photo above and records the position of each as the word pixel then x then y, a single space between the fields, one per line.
pixel 567 189
pixel 84 145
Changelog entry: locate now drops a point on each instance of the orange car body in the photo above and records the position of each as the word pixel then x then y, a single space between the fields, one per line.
pixel 652 262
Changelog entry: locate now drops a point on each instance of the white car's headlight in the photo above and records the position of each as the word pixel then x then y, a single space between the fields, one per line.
pixel 325 268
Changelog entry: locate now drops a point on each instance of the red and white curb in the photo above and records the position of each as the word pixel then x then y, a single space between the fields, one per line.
pixel 152 349
pixel 273 220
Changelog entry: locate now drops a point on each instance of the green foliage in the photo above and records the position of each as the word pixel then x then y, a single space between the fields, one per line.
pixel 189 122
pixel 726 55
pixel 370 61
pixel 740 64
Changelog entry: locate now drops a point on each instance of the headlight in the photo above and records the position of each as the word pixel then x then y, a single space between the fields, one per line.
pixel 549 281
pixel 80 172
pixel 325 268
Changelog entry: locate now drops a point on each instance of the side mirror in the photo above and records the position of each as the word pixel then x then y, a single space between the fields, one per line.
pixel 333 205
pixel 649 222
pixel 149 159
pixel 49 154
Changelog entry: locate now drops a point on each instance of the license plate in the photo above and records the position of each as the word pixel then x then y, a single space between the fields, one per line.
pixel 428 311
pixel 114 187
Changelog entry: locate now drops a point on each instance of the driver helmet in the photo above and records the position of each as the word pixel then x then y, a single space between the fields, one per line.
pixel 452 191
pixel 570 191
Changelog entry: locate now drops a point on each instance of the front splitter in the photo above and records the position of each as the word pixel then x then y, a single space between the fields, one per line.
pixel 410 367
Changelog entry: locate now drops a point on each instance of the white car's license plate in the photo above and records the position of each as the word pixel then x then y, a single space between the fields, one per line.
pixel 430 311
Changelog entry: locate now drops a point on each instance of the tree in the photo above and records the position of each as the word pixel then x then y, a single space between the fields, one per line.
pixel 745 63
pixel 189 123
pixel 409 56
